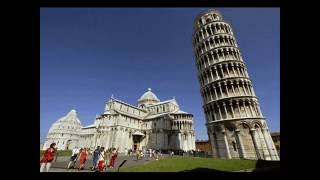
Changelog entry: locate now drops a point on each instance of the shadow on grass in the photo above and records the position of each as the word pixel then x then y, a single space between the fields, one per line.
pixel 267 166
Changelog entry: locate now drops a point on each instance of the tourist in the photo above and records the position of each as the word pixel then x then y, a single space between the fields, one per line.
pixel 109 153
pixel 137 154
pixel 150 153
pixel 129 152
pixel 48 157
pixel 95 158
pixel 157 155
pixel 142 154
pixel 106 158
pixel 73 158
pixel 113 157
pixel 83 158
pixel 101 160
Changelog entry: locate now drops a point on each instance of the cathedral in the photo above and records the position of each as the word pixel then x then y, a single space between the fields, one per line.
pixel 151 124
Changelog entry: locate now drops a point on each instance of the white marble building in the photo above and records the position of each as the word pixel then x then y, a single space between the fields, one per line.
pixel 236 126
pixel 150 124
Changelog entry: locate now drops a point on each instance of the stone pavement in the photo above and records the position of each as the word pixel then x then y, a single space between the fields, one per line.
pixel 62 162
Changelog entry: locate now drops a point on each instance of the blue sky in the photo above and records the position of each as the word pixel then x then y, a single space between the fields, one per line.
pixel 88 54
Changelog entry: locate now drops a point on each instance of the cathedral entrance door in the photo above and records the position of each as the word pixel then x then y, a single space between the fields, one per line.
pixel 137 138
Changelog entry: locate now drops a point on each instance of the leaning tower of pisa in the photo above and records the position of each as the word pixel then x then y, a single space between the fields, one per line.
pixel 235 124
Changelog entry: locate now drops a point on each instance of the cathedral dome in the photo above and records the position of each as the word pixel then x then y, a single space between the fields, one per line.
pixel 147 99
pixel 149 96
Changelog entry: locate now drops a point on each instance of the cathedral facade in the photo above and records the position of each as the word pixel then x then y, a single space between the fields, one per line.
pixel 151 124
pixel 235 124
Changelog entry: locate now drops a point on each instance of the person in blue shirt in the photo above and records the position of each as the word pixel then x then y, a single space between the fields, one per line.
pixel 95 157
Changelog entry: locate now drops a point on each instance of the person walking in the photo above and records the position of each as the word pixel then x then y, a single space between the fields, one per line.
pixel 83 158
pixel 113 157
pixel 73 158
pixel 95 158
pixel 48 157
pixel 101 164
pixel 106 159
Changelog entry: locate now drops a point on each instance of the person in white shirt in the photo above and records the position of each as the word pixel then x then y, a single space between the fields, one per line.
pixel 101 159
pixel 73 158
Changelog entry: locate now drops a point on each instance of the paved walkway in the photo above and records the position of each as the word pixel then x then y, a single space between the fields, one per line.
pixel 62 162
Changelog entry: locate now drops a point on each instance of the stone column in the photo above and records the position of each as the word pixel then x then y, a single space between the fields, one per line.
pixel 219 85
pixel 259 109
pixel 268 138
pixel 214 114
pixel 211 75
pixel 252 90
pixel 267 143
pixel 219 111
pixel 232 86
pixel 232 69
pixel 231 107
pixel 215 93
pixel 245 108
pixel 207 56
pixel 216 71
pixel 238 88
pixel 253 136
pixel 244 88
pixel 225 83
pixel 225 109
pixel 213 150
pixel 211 98
pixel 251 111
pixel 210 30
pixel 226 144
pixel 238 71
pixel 238 137
pixel 180 141
pixel 205 46
pixel 202 34
pixel 237 102
pixel 256 109
pixel 228 70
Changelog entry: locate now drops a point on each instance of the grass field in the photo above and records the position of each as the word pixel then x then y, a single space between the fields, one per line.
pixel 185 164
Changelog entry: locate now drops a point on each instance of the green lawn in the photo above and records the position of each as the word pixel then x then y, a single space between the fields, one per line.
pixel 180 164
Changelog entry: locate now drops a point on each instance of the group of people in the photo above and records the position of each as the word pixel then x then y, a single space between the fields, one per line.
pixel 101 158
pixel 140 154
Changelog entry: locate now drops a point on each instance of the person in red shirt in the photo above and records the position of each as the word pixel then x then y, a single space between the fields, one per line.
pixel 48 157
pixel 114 155
pixel 83 158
